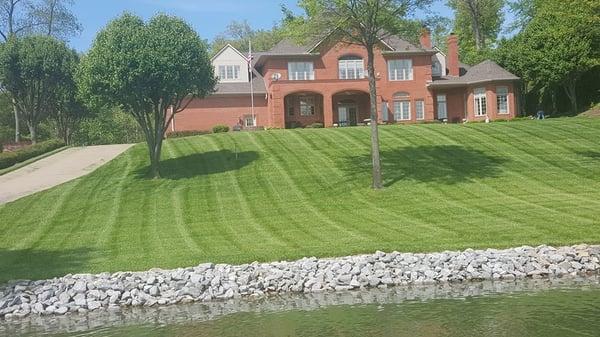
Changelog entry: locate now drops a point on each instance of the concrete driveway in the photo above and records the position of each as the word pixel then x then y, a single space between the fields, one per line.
pixel 64 166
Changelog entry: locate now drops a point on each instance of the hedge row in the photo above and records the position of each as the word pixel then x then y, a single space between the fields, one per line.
pixel 8 159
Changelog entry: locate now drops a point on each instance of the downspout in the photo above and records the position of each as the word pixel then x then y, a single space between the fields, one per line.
pixel 172 120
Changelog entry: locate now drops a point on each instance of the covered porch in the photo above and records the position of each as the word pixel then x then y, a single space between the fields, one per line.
pixel 350 108
pixel 303 109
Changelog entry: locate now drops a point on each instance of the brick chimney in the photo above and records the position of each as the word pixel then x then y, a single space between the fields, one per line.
pixel 452 56
pixel 425 38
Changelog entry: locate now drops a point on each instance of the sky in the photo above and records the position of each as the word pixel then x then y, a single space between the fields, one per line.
pixel 208 17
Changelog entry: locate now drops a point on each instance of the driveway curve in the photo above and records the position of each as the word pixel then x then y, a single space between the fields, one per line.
pixel 54 170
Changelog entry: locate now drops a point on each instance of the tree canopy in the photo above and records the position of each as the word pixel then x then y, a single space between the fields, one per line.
pixel 151 69
pixel 35 71
pixel 477 23
pixel 240 33
pixel 557 46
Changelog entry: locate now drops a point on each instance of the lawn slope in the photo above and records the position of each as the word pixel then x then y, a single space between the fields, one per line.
pixel 285 194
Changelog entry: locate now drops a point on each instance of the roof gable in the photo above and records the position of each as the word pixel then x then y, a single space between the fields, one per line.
pixel 228 47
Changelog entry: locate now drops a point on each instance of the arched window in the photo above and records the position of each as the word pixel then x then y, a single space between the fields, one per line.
pixel 351 68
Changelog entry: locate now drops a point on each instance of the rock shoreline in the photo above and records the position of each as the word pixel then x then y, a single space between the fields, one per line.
pixel 210 282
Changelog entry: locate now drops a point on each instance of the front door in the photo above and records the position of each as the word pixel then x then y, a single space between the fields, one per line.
pixel 348 115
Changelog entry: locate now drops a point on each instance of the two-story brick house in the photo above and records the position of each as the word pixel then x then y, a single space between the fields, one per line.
pixel 326 82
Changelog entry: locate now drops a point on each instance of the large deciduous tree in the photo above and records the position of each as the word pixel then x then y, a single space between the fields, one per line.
pixel 35 70
pixel 559 44
pixel 47 17
pixel 152 70
pixel 362 22
pixel 240 33
pixel 477 23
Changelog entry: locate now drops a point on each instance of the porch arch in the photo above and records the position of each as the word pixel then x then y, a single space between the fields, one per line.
pixel 303 108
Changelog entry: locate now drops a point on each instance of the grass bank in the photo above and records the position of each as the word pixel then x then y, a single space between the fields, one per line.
pixel 285 194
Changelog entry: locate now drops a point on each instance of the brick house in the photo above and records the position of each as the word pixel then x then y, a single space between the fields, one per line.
pixel 325 82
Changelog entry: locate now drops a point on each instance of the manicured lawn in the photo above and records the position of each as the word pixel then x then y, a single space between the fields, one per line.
pixel 289 194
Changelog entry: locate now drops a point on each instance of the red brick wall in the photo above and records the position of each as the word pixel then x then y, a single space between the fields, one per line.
pixel 203 114
pixel 328 84
pixel 492 108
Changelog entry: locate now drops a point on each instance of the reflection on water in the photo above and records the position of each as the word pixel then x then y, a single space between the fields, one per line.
pixel 524 308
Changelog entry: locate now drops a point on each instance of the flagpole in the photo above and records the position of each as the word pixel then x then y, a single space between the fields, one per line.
pixel 251 81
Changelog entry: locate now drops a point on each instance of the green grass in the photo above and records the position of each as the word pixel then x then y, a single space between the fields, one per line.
pixel 294 193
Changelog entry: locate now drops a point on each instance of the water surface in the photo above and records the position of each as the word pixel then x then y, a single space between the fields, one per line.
pixel 525 308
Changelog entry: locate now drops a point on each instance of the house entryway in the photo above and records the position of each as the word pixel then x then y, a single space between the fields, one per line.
pixel 351 108
pixel 348 114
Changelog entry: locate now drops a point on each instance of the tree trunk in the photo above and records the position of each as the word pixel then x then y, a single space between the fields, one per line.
pixel 479 41
pixel 570 87
pixel 33 133
pixel 17 124
pixel 376 160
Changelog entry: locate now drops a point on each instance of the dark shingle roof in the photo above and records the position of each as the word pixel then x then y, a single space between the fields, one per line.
pixel 232 88
pixel 488 70
pixel 288 47
pixel 482 72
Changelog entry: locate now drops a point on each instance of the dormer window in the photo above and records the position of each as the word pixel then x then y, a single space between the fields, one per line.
pixel 436 68
pixel 229 72
pixel 351 68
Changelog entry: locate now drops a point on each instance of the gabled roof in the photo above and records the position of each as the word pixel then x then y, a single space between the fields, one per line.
pixel 485 71
pixel 287 47
pixel 225 48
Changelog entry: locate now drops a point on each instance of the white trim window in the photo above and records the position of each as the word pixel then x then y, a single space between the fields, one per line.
pixel 301 71
pixel 402 110
pixel 351 68
pixel 502 100
pixel 249 121
pixel 442 107
pixel 229 72
pixel 307 106
pixel 420 109
pixel 480 100
pixel 400 70
pixel 436 68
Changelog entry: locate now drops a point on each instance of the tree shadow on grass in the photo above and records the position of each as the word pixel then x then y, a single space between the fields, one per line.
pixel 445 164
pixel 594 155
pixel 35 264
pixel 204 163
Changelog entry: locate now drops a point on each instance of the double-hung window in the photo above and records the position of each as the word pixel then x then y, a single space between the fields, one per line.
pixel 480 102
pixel 249 121
pixel 400 70
pixel 420 110
pixel 402 110
pixel 442 107
pixel 502 100
pixel 229 72
pixel 301 71
pixel 351 68
pixel 307 106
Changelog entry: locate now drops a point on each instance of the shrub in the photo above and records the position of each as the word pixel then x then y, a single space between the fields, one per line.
pixel 315 126
pixel 5 135
pixel 8 159
pixel 181 134
pixel 220 129
pixel 108 127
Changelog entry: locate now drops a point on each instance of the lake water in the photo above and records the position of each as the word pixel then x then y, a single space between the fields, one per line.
pixel 525 308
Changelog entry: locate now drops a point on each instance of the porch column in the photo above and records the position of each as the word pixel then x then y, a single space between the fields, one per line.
pixel 328 110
